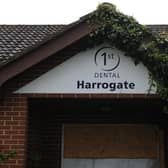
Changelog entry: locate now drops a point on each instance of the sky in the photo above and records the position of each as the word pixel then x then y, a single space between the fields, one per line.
pixel 68 11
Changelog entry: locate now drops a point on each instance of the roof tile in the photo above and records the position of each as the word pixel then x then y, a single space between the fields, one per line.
pixel 16 40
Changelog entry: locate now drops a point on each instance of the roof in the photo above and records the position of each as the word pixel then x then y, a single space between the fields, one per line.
pixel 17 40
pixel 158 28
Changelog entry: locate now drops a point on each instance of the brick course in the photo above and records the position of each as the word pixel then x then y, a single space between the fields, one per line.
pixel 13 128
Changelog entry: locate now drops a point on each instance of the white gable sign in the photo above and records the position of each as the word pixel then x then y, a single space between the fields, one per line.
pixel 102 69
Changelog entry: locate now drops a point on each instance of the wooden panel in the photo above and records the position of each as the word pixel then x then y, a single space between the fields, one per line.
pixel 107 141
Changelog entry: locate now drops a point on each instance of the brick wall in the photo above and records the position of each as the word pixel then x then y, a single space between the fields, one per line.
pixel 13 121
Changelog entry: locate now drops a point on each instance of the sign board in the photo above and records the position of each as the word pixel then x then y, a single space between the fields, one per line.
pixel 102 69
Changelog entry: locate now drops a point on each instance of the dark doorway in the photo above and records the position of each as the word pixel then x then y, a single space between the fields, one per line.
pixel 46 117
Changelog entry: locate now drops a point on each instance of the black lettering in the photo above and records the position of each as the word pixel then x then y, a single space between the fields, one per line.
pixel 110 75
pixel 94 84
pixel 105 58
pixel 118 75
pixel 126 85
pixel 104 85
pixel 100 75
pixel 132 85
pixel 80 84
pixel 96 75
pixel 114 75
pixel 88 85
pixel 105 75
pixel 98 85
pixel 119 86
pixel 112 86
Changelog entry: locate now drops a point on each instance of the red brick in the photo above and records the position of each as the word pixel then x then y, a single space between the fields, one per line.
pixel 22 142
pixel 19 127
pixel 6 118
pixel 11 161
pixel 21 161
pixel 12 129
pixel 12 123
pixel 12 113
pixel 11 132
pixel 12 142
pixel 18 137
pixel 4 166
pixel 22 118
pixel 5 108
pixel 15 147
pixel 4 127
pixel 19 108
pixel 4 148
pixel 4 136
pixel 16 166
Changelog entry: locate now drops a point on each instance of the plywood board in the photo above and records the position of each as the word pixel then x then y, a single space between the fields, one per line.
pixel 108 141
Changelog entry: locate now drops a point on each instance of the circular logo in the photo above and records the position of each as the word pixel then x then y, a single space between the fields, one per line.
pixel 107 59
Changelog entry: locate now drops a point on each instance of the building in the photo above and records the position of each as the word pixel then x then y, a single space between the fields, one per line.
pixel 64 104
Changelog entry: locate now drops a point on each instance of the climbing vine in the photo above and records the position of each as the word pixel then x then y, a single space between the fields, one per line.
pixel 137 41
pixel 5 157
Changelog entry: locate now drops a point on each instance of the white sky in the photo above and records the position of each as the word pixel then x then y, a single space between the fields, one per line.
pixel 67 11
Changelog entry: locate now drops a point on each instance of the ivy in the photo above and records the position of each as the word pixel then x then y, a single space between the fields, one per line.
pixel 8 156
pixel 137 41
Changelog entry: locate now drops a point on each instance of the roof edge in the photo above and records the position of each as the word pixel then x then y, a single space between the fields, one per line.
pixel 73 33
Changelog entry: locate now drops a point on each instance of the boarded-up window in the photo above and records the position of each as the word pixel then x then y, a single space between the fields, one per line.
pixel 110 141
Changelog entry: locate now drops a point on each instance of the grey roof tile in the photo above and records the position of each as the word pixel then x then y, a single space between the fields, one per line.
pixel 16 40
